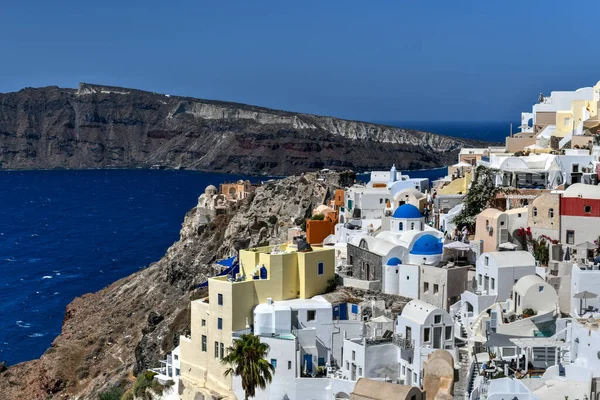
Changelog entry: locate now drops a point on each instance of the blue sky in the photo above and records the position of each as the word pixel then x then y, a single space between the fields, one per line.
pixel 395 60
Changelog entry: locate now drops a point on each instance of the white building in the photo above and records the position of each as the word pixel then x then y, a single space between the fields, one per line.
pixel 299 333
pixel 169 371
pixel 584 278
pixel 422 329
pixel 366 202
pixel 309 320
pixel 532 292
pixel 495 275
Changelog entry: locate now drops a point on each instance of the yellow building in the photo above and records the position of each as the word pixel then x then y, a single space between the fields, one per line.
pixel 278 273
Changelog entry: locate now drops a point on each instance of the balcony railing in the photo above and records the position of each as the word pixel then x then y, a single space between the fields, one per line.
pixel 399 340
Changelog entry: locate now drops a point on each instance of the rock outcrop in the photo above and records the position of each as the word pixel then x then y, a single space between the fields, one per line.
pixel 110 335
pixel 101 127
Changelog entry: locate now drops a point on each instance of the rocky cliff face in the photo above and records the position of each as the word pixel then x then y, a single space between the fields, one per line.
pixel 99 126
pixel 110 335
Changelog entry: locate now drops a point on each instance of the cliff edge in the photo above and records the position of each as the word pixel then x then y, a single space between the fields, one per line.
pixel 98 126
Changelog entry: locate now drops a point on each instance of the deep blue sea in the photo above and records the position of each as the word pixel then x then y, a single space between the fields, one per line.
pixel 66 233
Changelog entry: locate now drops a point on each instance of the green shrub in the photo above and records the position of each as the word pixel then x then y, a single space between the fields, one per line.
pixel 114 393
pixel 145 381
pixel 529 312
pixel 318 217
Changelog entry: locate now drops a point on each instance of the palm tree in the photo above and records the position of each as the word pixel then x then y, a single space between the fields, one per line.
pixel 246 359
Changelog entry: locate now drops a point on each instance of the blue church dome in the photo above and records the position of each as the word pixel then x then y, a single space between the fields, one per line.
pixel 427 245
pixel 394 261
pixel 407 211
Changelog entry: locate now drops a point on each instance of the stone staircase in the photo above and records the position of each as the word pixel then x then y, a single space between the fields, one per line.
pixel 463 386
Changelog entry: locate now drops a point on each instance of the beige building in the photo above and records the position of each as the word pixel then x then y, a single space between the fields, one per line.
pixel 266 273
pixel 496 229
pixel 410 196
pixel 544 216
pixel 471 156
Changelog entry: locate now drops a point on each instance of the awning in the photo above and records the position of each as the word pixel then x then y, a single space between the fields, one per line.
pixel 508 246
pixel 587 246
pixel 462 164
pixel 500 340
pixel 529 342
pixel 591 122
pixel 456 245
pixel 585 295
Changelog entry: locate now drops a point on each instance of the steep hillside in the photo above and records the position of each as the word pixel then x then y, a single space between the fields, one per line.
pixel 99 126
pixel 131 324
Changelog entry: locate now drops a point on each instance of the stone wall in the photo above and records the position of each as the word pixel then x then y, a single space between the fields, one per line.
pixel 365 265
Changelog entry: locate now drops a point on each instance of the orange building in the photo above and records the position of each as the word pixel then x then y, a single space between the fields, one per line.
pixel 237 190
pixel 318 230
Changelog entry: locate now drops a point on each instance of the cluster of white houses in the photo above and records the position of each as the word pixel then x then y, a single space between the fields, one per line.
pixel 473 305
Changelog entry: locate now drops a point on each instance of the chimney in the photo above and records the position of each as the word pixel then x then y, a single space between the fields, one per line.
pixel 269 301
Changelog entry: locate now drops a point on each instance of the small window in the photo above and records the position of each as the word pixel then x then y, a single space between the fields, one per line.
pixel 570 237
pixel 407 277
pixel 176 357
pixel 320 268
pixel 426 332
pixel 311 315
pixel 347 365
pixel 380 201
pixel 222 350
pixel 448 333
pixel 400 226
pixel 216 349
pixel 501 223
pixel 480 279
pixel 220 323
pixel 425 287
pixel 519 215
pixel 203 322
pixel 437 319
pixel 177 372
pixel 353 355
pixel 412 225
pixel 204 343
pixel 289 365
pixel 587 209
pixel 486 261
pixel 220 299
pixel 567 122
pixel 403 370
pixel 396 271
pixel 540 288
pixel 436 288
pixel 493 283
pixel 359 371
pixel 551 213
pixel 528 178
pixel 415 377
pixel 274 362
pixel 354 309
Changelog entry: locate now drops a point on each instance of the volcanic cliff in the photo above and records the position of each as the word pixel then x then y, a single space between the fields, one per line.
pixel 110 335
pixel 98 126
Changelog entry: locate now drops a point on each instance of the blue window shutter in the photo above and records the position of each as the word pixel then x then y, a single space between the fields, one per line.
pixel 354 309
